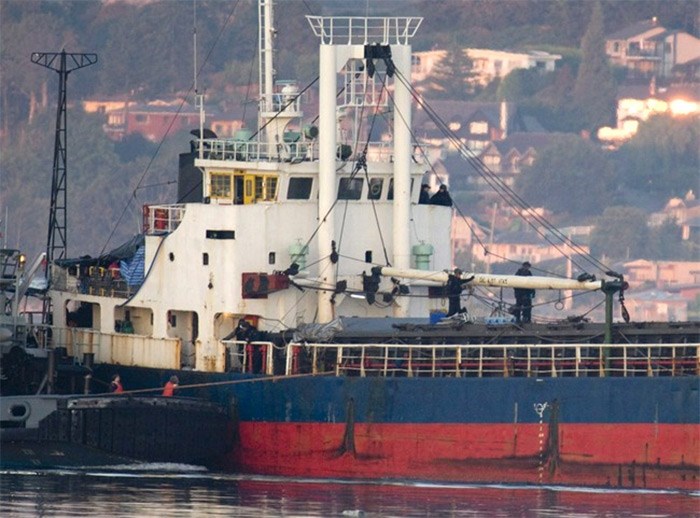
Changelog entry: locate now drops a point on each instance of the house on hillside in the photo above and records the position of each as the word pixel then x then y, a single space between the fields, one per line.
pixel 154 119
pixel 474 124
pixel 638 102
pixel 506 158
pixel 492 64
pixel 487 64
pixel 684 211
pixel 656 306
pixel 465 233
pixel 105 105
pixel 662 274
pixel 524 246
pixel 648 49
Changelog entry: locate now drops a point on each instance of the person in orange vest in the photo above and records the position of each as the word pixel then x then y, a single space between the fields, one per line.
pixel 170 386
pixel 115 387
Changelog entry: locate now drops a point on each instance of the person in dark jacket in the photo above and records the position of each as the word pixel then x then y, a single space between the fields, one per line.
pixel 441 197
pixel 424 194
pixel 454 286
pixel 523 297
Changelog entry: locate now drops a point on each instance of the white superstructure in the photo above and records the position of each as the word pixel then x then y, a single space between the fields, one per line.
pixel 293 195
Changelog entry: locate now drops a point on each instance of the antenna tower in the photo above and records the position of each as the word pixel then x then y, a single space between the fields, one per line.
pixel 56 244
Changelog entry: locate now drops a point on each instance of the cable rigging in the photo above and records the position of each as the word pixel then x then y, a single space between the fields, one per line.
pixel 501 188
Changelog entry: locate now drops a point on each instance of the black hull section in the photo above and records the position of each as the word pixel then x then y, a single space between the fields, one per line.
pixel 107 431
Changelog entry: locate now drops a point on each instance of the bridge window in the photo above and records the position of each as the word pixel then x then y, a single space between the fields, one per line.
pixel 375 188
pixel 265 188
pixel 350 188
pixel 221 185
pixel 299 188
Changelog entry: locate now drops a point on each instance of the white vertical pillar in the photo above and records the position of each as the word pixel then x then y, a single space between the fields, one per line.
pixel 401 55
pixel 326 176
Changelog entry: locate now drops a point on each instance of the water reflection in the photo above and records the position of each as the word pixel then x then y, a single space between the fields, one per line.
pixel 196 493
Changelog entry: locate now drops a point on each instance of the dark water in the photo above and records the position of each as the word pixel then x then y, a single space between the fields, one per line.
pixel 174 491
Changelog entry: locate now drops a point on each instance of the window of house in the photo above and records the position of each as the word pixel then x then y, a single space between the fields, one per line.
pixel 299 188
pixel 616 47
pixel 141 117
pixel 350 188
pixel 479 127
pixel 375 188
pixel 492 159
pixel 220 185
pixel 455 126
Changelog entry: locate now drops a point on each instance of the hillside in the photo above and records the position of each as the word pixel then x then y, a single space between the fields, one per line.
pixel 145 52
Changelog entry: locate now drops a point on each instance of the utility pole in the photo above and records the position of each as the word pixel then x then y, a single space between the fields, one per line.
pixel 56 243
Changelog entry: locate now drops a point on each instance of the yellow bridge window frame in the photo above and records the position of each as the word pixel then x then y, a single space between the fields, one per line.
pixel 221 185
pixel 260 187
pixel 243 188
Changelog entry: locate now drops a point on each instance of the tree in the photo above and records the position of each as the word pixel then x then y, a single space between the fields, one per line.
pixel 663 158
pixel 620 233
pixel 595 90
pixel 666 242
pixel 571 175
pixel 450 78
pixel 521 84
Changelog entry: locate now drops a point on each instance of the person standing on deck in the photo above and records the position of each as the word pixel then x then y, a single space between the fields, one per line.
pixel 441 197
pixel 170 386
pixel 523 297
pixel 115 387
pixel 424 197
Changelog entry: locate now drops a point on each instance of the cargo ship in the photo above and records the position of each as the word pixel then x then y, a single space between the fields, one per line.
pixel 301 276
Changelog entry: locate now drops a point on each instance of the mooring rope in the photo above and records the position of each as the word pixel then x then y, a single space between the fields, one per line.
pixel 218 383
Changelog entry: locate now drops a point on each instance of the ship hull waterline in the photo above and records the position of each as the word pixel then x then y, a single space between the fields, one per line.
pixel 604 432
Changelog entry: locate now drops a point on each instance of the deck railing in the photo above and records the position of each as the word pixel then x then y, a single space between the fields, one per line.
pixel 386 360
pixel 524 360
pixel 158 219
pixel 303 151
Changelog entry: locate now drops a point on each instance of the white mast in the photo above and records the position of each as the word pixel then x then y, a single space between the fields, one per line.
pixel 276 109
pixel 401 56
pixel 343 39
pixel 326 176
pixel 198 98
pixel 266 73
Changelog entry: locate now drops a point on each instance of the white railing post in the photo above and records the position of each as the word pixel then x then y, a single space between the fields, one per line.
pixel 458 362
pixel 289 356
pixel 270 370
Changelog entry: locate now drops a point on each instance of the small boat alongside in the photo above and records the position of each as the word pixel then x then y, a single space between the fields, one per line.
pixel 55 431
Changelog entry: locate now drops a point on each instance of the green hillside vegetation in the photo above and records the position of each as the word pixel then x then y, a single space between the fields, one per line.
pixel 145 53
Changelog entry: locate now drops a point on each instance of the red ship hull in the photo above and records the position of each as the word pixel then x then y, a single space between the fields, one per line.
pixel 602 455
